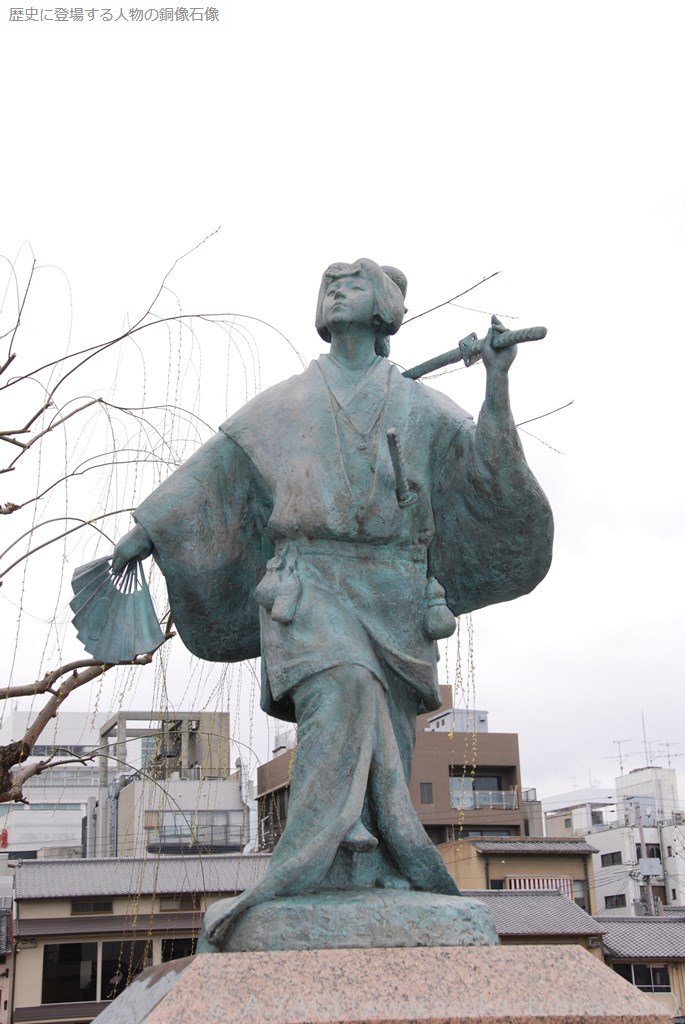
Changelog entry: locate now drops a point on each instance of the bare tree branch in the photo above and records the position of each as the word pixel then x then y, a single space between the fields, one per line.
pixel 453 299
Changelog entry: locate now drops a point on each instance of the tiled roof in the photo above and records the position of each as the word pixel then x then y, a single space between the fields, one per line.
pixel 536 912
pixel 563 847
pixel 122 876
pixel 640 938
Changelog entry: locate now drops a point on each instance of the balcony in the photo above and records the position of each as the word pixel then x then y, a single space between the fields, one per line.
pixel 481 799
pixel 210 838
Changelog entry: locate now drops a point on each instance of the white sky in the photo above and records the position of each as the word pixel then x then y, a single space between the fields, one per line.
pixel 450 139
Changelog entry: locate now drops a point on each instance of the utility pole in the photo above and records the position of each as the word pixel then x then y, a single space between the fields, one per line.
pixel 647 879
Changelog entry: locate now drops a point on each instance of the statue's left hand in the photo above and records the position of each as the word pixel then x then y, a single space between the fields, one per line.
pixel 497 359
pixel 135 544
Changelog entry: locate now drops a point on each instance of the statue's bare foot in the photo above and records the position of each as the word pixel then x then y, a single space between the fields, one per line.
pixel 215 926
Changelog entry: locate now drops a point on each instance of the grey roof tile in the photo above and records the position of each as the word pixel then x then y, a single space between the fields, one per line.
pixel 563 847
pixel 536 912
pixel 641 938
pixel 123 876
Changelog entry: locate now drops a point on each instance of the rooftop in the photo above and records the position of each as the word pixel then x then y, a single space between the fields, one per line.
pixel 122 876
pixel 533 845
pixel 536 912
pixel 642 938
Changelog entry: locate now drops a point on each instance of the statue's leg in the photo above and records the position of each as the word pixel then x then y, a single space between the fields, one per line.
pixel 404 837
pixel 337 716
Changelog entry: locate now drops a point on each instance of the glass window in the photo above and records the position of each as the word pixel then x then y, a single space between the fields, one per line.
pixel 618 900
pixel 426 792
pixel 174 949
pixel 647 977
pixel 69 972
pixel 121 961
pixel 611 858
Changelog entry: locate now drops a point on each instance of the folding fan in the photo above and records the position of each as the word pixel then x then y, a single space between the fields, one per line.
pixel 113 612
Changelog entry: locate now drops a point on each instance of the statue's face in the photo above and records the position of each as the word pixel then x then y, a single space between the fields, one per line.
pixel 349 300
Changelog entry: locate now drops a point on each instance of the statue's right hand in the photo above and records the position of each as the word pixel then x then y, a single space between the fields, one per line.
pixel 135 544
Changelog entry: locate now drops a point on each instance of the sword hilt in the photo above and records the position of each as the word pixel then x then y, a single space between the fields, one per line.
pixel 405 495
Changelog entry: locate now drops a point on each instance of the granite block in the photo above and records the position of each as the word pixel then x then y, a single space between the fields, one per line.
pixel 449 985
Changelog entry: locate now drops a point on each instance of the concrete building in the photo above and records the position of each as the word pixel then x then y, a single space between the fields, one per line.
pixel 464 783
pixel 84 929
pixel 579 812
pixel 58 798
pixel 643 808
pixel 523 864
pixel 183 797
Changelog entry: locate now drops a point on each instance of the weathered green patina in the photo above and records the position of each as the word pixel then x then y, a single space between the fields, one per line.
pixel 336 525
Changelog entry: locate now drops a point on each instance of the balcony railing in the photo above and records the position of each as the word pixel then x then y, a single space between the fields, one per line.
pixel 482 799
pixel 208 837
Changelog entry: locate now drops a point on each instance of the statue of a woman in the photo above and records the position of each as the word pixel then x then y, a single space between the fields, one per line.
pixel 285 536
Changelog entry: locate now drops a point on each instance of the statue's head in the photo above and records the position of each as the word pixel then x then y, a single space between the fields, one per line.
pixel 389 287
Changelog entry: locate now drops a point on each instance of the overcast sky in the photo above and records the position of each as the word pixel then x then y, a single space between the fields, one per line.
pixel 452 140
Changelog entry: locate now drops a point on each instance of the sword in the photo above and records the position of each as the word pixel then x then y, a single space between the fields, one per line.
pixel 405 495
pixel 470 348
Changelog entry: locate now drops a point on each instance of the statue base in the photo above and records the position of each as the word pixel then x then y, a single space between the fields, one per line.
pixel 355 919
pixel 486 985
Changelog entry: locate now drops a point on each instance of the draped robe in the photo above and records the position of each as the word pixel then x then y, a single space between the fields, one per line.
pixel 280 538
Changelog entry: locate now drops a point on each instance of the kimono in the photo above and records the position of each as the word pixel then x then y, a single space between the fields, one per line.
pixel 283 536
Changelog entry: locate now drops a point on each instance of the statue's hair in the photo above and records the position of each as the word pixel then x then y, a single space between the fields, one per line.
pixel 389 289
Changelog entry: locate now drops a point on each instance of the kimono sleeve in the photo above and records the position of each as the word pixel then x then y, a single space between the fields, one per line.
pixel 207 523
pixel 493 523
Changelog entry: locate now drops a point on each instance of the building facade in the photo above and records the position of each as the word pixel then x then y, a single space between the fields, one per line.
pixel 84 929
pixel 464 783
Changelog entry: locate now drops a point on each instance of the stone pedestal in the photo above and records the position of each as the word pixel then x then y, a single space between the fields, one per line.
pixel 443 985
pixel 356 919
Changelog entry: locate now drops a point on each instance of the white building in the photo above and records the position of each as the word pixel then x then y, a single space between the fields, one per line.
pixel 643 808
pixel 58 798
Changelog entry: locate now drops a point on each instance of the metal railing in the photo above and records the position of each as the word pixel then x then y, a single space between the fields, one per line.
pixel 224 837
pixel 482 799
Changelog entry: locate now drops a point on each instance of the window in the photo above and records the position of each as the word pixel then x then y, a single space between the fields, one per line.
pixel 91 906
pixel 611 858
pixel 483 832
pixel 69 972
pixel 669 851
pixel 618 900
pixel 651 850
pixel 426 792
pixel 496 883
pixel 580 894
pixel 647 977
pixel 568 822
pixel 121 961
pixel 596 818
pixel 437 833
pixel 186 902
pixel 174 949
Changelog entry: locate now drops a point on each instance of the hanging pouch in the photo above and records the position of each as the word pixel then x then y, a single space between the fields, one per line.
pixel 438 620
pixel 280 589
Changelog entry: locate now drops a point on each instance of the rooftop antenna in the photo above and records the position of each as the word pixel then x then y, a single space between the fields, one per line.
pixel 644 740
pixel 617 743
pixel 667 745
